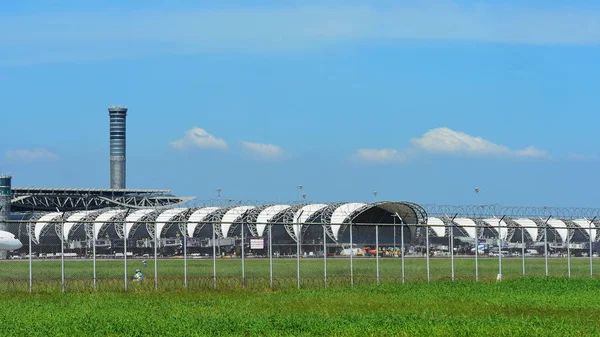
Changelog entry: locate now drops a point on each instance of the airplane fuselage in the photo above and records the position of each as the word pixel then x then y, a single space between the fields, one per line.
pixel 9 242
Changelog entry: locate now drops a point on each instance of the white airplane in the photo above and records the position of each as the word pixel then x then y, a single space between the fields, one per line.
pixel 9 242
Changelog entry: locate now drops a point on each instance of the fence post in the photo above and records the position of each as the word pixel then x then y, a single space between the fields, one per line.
pixel 402 251
pixel 546 243
pixel 377 250
pixel 427 251
pixel 351 260
pixel 125 233
pixel 271 255
pixel 500 244
pixel 214 257
pixel 62 250
pixel 86 226
pixel 298 246
pixel 476 251
pixel 451 247
pixel 325 256
pixel 185 276
pixel 243 258
pixel 568 252
pixel 546 247
pixel 523 249
pixel 591 262
pixel 30 258
pixel 156 235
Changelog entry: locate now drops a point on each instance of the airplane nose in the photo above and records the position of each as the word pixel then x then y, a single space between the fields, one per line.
pixel 17 244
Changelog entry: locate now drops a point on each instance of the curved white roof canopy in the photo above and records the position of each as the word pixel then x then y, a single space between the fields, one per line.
pixel 493 222
pixel 437 226
pixel 102 218
pixel 267 215
pixel 585 225
pixel 561 228
pixel 167 216
pixel 468 225
pixel 197 217
pixel 341 214
pixel 530 227
pixel 305 213
pixel 231 216
pixel 133 218
pixel 72 221
pixel 43 222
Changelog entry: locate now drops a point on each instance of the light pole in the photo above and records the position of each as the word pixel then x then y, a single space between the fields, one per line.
pixel 500 243
pixel 451 246
pixel 93 240
pixel 375 193
pixel 401 240
pixel 299 188
pixel 546 242
pixel 62 249
pixel 219 193
pixel 125 242
pixel 243 224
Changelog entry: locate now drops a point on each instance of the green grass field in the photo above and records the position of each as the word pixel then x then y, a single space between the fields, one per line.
pixel 14 275
pixel 519 307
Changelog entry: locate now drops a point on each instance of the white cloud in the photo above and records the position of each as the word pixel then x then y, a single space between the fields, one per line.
pixel 86 36
pixel 31 155
pixel 445 140
pixel 198 137
pixel 448 141
pixel 379 155
pixel 268 151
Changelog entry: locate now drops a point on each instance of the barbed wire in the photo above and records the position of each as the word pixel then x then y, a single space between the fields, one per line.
pixel 496 210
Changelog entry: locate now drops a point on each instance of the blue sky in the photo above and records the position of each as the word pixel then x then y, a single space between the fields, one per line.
pixel 420 101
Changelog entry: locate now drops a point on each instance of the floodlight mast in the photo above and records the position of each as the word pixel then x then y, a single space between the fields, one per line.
pixel 396 215
pixel 500 244
pixel 451 247
pixel 62 249
pixel 546 242
pixel 299 188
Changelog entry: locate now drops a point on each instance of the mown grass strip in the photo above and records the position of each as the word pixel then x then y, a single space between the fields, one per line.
pixel 517 308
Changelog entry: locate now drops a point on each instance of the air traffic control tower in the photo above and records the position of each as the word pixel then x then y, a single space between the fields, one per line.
pixel 5 195
pixel 118 116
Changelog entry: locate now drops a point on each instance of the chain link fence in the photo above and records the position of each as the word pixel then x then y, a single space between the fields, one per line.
pixel 104 254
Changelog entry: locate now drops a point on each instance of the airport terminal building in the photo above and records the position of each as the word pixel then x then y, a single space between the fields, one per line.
pixel 137 220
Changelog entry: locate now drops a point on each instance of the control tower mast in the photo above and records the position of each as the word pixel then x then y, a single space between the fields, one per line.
pixel 118 116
